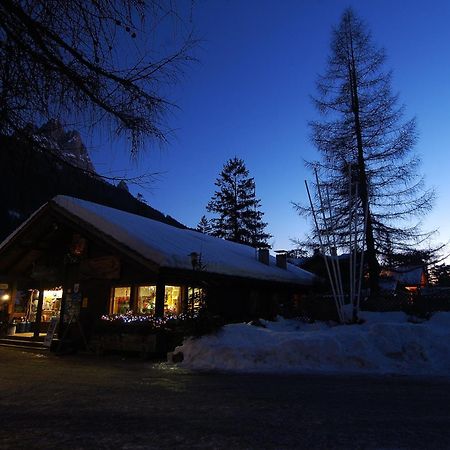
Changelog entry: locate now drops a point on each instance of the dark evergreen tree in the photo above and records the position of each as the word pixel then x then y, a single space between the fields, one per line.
pixel 366 149
pixel 413 257
pixel 204 226
pixel 236 207
pixel 440 275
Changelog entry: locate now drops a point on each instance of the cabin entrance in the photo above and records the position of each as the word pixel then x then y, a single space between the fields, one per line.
pixel 34 309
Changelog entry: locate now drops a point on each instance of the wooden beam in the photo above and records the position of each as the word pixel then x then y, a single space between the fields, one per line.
pixel 160 297
pixel 37 323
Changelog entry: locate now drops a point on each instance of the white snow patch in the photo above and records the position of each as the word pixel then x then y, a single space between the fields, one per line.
pixel 386 343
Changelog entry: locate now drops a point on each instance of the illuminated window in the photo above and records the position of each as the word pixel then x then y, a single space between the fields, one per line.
pixel 121 300
pixel 51 305
pixel 196 299
pixel 172 300
pixel 146 296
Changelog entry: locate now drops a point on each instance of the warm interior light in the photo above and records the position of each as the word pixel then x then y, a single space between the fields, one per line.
pixel 5 297
pixel 53 293
pixel 411 288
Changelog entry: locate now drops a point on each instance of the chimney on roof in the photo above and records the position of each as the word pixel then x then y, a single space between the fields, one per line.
pixel 282 260
pixel 263 256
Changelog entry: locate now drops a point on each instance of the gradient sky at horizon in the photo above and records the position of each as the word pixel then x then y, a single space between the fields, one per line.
pixel 249 96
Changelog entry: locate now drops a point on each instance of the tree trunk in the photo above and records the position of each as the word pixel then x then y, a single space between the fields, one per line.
pixel 374 268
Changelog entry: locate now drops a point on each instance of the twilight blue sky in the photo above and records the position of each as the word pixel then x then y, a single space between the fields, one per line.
pixel 249 96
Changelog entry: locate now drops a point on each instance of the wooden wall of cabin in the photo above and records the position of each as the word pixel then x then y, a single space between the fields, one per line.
pixel 95 286
pixel 243 301
pixel 95 303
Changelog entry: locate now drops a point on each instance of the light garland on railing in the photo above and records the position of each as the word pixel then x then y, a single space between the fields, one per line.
pixel 152 320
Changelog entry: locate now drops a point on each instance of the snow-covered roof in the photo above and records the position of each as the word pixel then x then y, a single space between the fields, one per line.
pixel 409 275
pixel 171 247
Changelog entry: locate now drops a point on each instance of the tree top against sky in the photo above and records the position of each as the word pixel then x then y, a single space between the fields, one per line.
pixel 368 172
pixel 101 63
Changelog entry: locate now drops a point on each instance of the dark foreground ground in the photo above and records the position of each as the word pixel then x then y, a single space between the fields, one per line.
pixel 83 401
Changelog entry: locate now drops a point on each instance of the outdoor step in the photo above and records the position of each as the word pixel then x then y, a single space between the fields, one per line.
pixel 7 344
pixel 25 338
pixel 12 341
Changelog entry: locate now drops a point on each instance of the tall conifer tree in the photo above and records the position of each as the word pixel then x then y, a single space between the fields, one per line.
pixel 236 207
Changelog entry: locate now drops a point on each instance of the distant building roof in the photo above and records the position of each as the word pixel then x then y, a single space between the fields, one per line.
pixel 408 275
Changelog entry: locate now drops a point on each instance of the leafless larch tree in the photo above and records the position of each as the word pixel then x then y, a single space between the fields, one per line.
pixel 368 172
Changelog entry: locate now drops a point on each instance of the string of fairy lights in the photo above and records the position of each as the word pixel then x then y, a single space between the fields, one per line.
pixel 152 320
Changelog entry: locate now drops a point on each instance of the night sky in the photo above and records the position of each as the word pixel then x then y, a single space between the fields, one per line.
pixel 249 96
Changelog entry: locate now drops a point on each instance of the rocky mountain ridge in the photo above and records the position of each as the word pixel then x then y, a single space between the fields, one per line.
pixel 48 163
pixel 66 145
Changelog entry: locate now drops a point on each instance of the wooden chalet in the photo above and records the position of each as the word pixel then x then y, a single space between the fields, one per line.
pixel 77 260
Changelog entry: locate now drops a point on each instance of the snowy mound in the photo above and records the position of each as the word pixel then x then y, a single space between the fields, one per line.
pixel 385 343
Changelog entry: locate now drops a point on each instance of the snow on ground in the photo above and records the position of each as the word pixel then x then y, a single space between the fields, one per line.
pixel 386 343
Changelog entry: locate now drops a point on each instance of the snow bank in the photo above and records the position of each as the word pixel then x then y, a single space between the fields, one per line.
pixel 386 343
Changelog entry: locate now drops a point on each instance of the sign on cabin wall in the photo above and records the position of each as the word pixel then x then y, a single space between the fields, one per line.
pixel 73 305
pixel 105 267
pixel 42 272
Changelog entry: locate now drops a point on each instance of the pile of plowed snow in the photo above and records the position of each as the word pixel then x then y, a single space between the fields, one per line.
pixel 384 343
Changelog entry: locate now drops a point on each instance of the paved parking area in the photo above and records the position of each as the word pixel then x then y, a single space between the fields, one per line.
pixel 84 402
